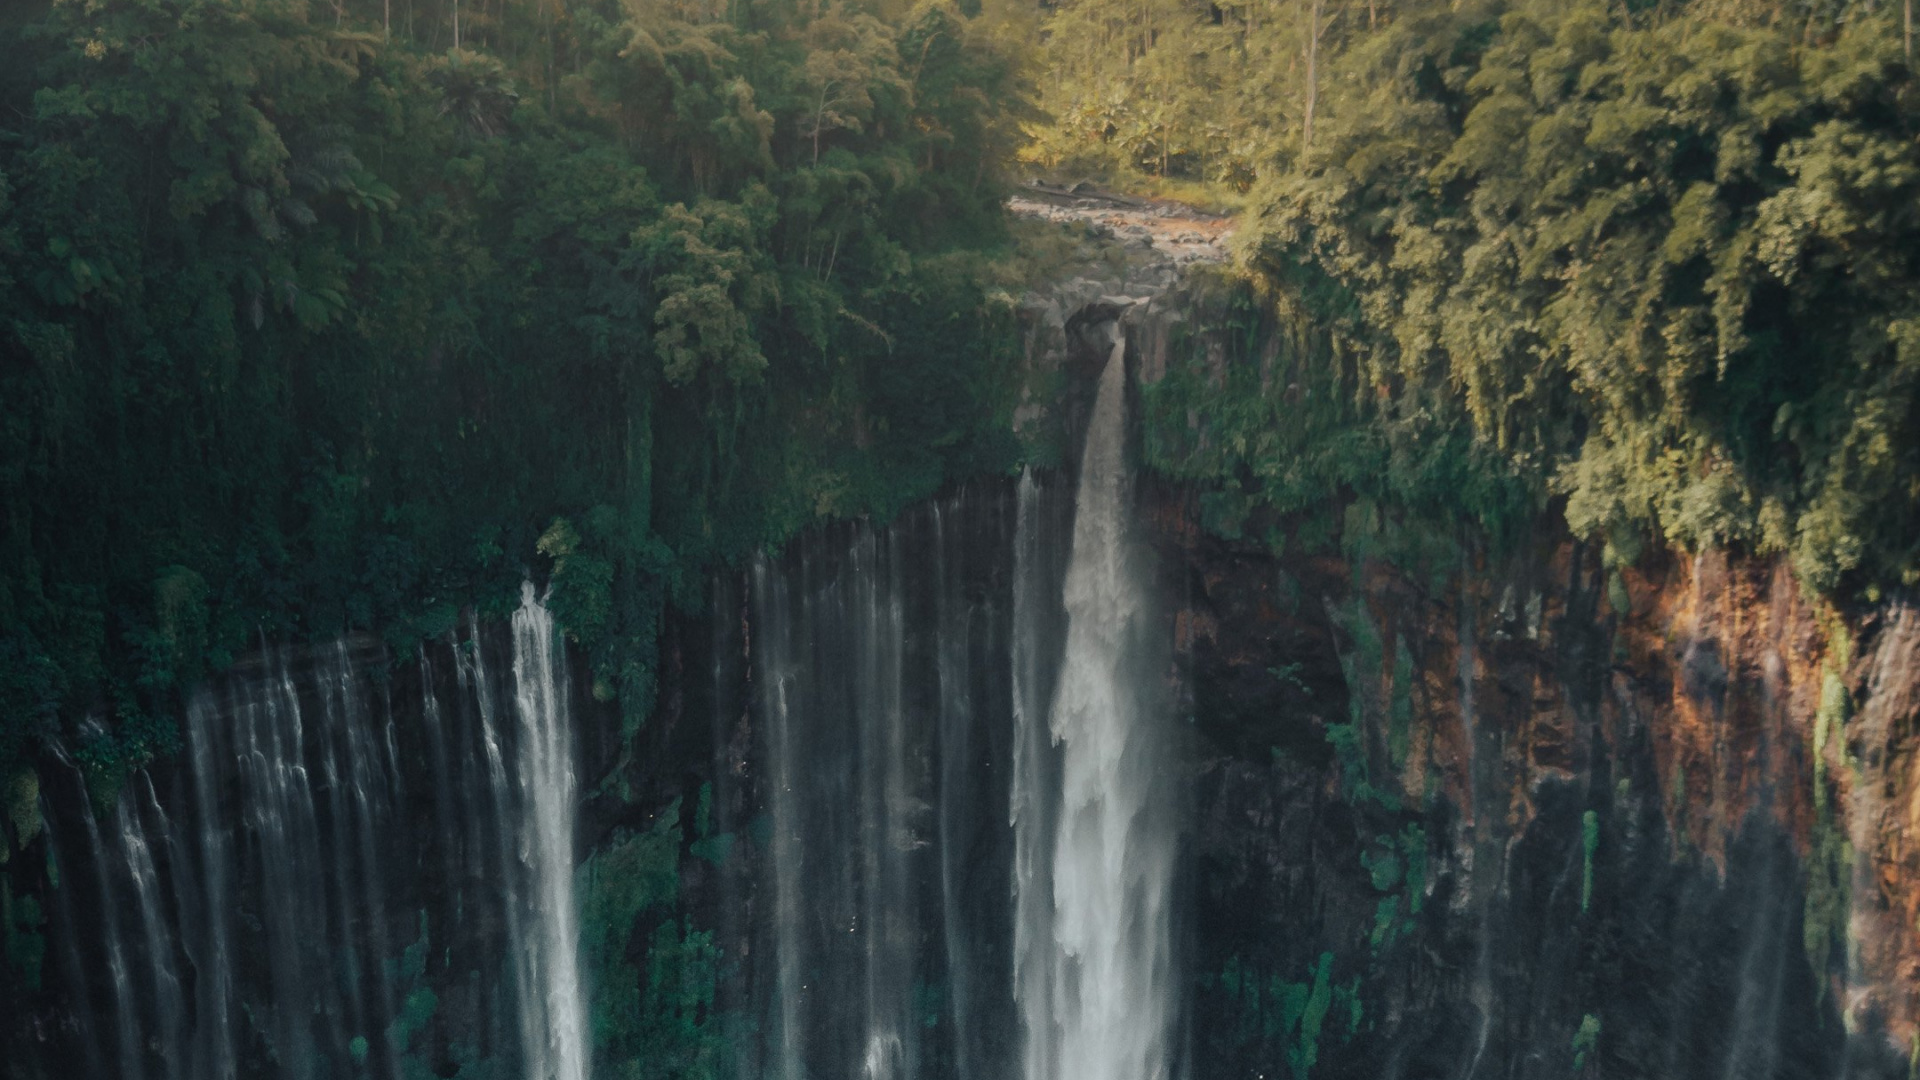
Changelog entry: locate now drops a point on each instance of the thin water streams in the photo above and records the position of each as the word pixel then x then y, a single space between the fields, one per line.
pixel 973 827
pixel 950 775
pixel 252 930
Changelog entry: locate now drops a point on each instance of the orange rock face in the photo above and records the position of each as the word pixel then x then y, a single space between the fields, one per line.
pixel 1481 683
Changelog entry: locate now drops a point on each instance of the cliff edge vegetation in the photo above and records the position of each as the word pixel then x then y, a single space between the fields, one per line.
pixel 324 318
pixel 1646 267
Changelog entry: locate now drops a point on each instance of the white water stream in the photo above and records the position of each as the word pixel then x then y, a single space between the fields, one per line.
pixel 250 932
pixel 553 1007
pixel 1094 966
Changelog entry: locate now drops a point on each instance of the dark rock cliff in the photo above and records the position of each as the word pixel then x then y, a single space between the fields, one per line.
pixel 1464 811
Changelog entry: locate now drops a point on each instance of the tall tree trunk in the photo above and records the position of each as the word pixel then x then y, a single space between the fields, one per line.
pixel 819 117
pixel 1314 12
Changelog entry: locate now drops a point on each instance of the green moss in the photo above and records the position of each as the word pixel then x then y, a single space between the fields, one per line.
pixel 1383 866
pixel 1413 847
pixel 1586 1039
pixel 1397 867
pixel 1305 1052
pixel 1617 596
pixel 582 582
pixel 416 1012
pixel 1350 996
pixel 1363 662
pixel 626 878
pixel 656 1020
pixel 26 944
pixel 1829 864
pixel 1349 749
pixel 412 966
pixel 1224 512
pixel 1362 667
pixel 23 806
pixel 1384 915
pixel 1829 719
pixel 1287 1018
pixel 675 1034
pixel 1828 907
pixel 715 848
pixel 1286 428
pixel 408 972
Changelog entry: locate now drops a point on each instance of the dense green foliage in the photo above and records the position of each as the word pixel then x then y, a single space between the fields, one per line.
pixel 1232 92
pixel 656 1017
pixel 1653 267
pixel 311 322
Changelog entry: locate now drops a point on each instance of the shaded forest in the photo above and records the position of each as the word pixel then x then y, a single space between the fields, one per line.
pixel 320 319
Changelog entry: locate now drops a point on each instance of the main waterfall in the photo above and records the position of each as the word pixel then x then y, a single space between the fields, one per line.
pixel 1094 963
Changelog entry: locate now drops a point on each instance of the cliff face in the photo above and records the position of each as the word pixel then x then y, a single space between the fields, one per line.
pixel 1452 810
pixel 1520 810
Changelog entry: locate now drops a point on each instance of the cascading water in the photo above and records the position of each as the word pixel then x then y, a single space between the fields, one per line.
pixel 553 1006
pixel 169 1008
pixel 879 662
pixel 848 824
pixel 922 686
pixel 254 910
pixel 125 1006
pixel 1095 858
pixel 1034 798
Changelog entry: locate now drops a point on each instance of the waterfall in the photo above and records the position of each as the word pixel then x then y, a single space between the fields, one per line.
pixel 1095 975
pixel 771 611
pixel 257 909
pixel 878 663
pixel 557 1027
pixel 972 828
pixel 533 804
pixel 944 785
pixel 125 1006
pixel 1032 799
pixel 169 1009
pixel 960 628
pixel 278 811
pixel 846 813
pixel 214 1045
